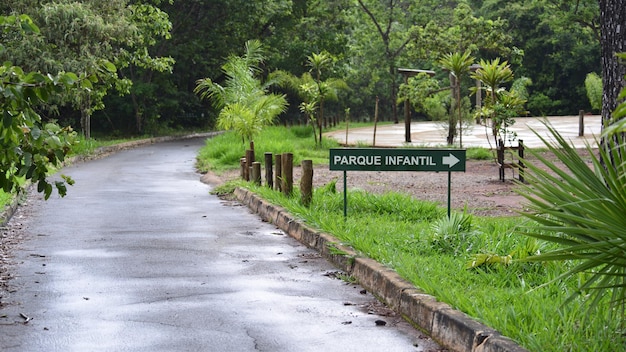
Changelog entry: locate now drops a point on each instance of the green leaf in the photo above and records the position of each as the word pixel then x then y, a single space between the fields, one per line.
pixel 7 120
pixel 86 84
pixel 109 66
pixel 41 186
pixel 28 159
pixel 47 190
pixel 35 132
pixel 61 188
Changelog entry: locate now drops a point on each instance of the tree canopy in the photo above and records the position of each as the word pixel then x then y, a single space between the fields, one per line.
pixel 163 47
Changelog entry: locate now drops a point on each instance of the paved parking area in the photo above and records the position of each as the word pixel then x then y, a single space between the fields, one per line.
pixel 433 134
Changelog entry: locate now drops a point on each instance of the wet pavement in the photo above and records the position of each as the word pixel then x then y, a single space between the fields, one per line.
pixel 433 134
pixel 139 257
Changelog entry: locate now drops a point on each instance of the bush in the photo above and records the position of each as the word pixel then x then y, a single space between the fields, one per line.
pixel 593 86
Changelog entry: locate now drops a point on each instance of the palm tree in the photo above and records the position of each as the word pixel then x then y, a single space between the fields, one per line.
pixel 313 90
pixel 245 104
pixel 458 65
pixel 319 62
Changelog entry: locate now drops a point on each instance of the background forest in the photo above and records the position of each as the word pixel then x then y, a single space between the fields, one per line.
pixel 145 56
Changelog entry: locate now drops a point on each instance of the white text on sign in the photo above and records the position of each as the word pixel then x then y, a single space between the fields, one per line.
pixel 377 160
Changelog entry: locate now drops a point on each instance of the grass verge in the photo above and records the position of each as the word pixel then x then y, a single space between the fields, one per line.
pixel 468 262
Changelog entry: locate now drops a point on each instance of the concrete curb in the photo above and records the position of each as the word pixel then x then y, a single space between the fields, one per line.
pixel 451 328
pixel 7 213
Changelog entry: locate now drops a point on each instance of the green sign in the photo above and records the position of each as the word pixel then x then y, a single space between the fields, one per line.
pixel 379 159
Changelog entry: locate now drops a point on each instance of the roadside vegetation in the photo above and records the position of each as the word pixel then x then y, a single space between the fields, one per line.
pixel 478 265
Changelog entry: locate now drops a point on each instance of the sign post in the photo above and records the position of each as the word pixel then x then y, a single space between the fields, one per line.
pixel 379 159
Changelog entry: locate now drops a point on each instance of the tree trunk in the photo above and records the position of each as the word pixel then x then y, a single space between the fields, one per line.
pixel 320 120
pixel 85 118
pixel 613 40
pixel 394 92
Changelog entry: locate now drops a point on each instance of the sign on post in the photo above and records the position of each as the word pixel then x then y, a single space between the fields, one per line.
pixel 379 159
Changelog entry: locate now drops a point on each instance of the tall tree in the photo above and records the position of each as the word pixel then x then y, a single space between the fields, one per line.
pixel 93 38
pixel 613 41
pixel 392 21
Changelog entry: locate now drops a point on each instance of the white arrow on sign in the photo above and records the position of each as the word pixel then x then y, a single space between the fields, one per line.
pixel 450 160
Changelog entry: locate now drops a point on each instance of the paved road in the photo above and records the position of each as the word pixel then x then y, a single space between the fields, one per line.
pixel 139 257
pixel 433 134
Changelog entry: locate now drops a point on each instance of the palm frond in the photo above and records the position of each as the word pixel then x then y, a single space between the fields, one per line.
pixel 580 204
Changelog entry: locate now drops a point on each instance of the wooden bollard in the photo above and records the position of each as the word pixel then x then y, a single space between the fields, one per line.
pixel 269 175
pixel 287 168
pixel 244 168
pixel 306 182
pixel 581 123
pixel 279 173
pixel 255 174
pixel 249 161
pixel 520 152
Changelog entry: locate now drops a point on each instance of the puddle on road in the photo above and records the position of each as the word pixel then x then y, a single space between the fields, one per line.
pixel 90 253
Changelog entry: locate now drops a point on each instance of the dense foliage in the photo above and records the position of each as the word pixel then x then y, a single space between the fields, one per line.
pixel 30 148
pixel 553 43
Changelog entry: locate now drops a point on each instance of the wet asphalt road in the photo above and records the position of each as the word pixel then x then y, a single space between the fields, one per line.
pixel 139 257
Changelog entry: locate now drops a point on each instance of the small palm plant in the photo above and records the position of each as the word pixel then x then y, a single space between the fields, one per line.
pixel 501 105
pixel 581 206
pixel 245 104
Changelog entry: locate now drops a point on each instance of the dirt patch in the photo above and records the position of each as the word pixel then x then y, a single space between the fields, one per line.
pixel 479 189
pixel 11 236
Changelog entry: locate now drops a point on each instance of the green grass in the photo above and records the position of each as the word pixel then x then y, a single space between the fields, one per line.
pixel 472 263
pixel 223 152
pixel 5 199
pixel 478 153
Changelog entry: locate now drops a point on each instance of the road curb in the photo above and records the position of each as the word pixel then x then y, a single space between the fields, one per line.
pixel 451 328
pixel 7 213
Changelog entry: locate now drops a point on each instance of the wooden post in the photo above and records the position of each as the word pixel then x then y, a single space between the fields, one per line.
pixel 500 153
pixel 269 177
pixel 407 115
pixel 375 121
pixel 255 174
pixel 347 123
pixel 306 182
pixel 479 99
pixel 242 164
pixel 279 173
pixel 287 162
pixel 249 160
pixel 520 152
pixel 581 123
